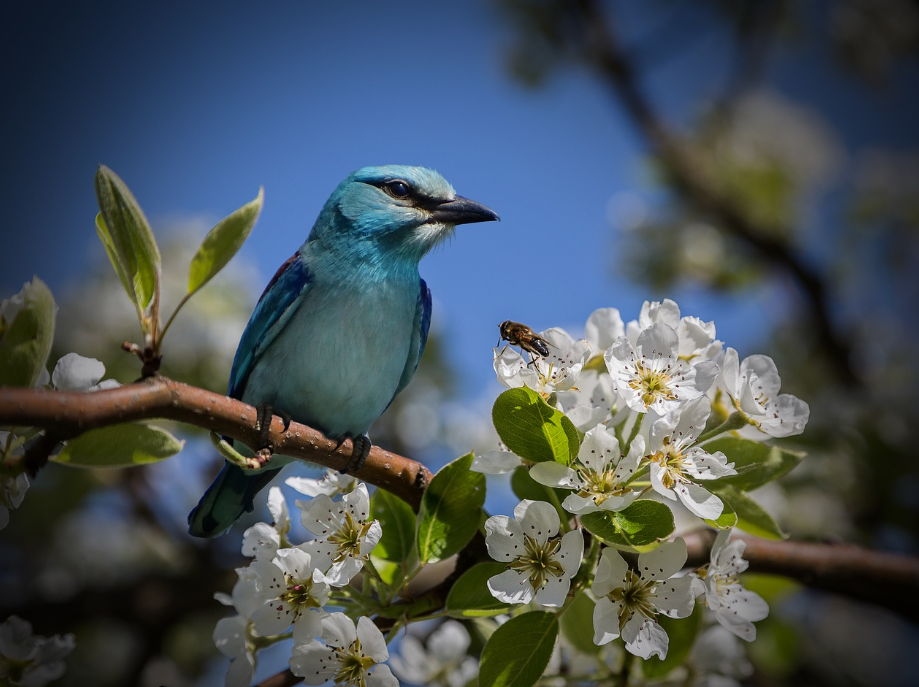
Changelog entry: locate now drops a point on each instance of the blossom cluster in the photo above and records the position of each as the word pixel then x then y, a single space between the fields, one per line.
pixel 289 587
pixel 645 397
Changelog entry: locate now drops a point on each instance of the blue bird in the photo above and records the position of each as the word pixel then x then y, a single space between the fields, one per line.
pixel 341 327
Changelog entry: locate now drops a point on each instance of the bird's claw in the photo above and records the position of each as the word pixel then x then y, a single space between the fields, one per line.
pixel 360 449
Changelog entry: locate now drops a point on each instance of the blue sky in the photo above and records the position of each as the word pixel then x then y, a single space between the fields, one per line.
pixel 197 104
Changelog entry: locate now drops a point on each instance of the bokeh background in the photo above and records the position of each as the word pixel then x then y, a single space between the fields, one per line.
pixel 757 161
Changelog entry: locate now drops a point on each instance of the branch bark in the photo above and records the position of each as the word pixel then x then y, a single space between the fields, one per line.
pixel 68 414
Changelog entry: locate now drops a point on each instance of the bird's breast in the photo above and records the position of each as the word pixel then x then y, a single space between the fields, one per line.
pixel 338 361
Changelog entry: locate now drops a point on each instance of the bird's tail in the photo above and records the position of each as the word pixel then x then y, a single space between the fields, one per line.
pixel 226 499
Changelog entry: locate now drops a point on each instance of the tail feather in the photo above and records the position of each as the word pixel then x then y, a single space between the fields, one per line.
pixel 230 496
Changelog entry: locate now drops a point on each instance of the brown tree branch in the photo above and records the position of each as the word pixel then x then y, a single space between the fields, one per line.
pixel 69 414
pixel 884 579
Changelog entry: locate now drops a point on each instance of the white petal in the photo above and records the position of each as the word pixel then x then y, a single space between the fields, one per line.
pixel 319 516
pixel 308 625
pixel 372 642
pixel 552 474
pixel 295 562
pixel 699 501
pixel 611 572
pixel 606 621
pixel 645 638
pixel 261 542
pixel 503 538
pixel 273 618
pixel 240 671
pixel 495 462
pixel 73 372
pixel 599 448
pixel 338 630
pixel 372 538
pixel 511 587
pixel 314 662
pixel 277 506
pixel 537 519
pixel 553 592
pixel 381 676
pixel 703 465
pixel 230 636
pixel 675 597
pixel 658 472
pixel 664 561
pixel 571 552
pixel 786 417
pixel 603 327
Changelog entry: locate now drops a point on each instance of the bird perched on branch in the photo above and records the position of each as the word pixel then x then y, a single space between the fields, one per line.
pixel 341 327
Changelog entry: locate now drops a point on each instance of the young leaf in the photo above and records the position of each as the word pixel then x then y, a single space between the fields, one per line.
pixel 398 523
pixel 131 239
pixel 519 651
pixel 682 633
pixel 119 446
pixel 26 341
pixel 532 429
pixel 756 463
pixel 449 514
pixel 222 242
pixel 105 236
pixel 636 528
pixel 470 598
pixel 577 624
pixel 751 517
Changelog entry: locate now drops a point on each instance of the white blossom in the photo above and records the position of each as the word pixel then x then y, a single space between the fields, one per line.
pixel 28 660
pixel 331 483
pixel 262 540
pixel 753 386
pixel 540 564
pixel 347 655
pixel 734 607
pixel 676 465
pixel 557 371
pixel 650 375
pixel 603 327
pixel 495 462
pixel 234 636
pixel 598 476
pixel 592 401
pixel 296 590
pixel 443 662
pixel 628 601
pixel 74 372
pixel 347 533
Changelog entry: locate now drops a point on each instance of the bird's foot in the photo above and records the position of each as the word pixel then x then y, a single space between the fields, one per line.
pixel 263 418
pixel 360 449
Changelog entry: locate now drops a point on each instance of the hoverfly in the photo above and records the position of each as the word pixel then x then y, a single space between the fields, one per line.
pixel 517 334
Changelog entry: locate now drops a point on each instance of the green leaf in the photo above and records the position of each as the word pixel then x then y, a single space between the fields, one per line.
pixel 636 528
pixel 519 651
pixel 751 517
pixel 756 463
pixel 119 446
pixel 532 429
pixel 726 520
pixel 577 624
pixel 470 598
pixel 449 514
pixel 682 633
pixel 130 240
pixel 398 523
pixel 26 342
pixel 222 242
pixel 105 236
pixel 525 487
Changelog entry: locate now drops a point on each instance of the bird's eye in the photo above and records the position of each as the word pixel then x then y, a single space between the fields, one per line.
pixel 398 188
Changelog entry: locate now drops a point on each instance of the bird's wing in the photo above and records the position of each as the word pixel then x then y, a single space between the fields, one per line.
pixel 419 336
pixel 276 305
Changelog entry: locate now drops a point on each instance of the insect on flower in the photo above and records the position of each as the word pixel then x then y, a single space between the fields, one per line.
pixel 517 334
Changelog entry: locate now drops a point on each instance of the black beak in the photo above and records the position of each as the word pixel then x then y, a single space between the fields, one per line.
pixel 462 211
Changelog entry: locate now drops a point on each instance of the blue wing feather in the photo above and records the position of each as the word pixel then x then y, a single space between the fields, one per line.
pixel 276 303
pixel 419 336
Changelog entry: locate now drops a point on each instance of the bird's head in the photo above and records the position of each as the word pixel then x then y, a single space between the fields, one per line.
pixel 395 210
